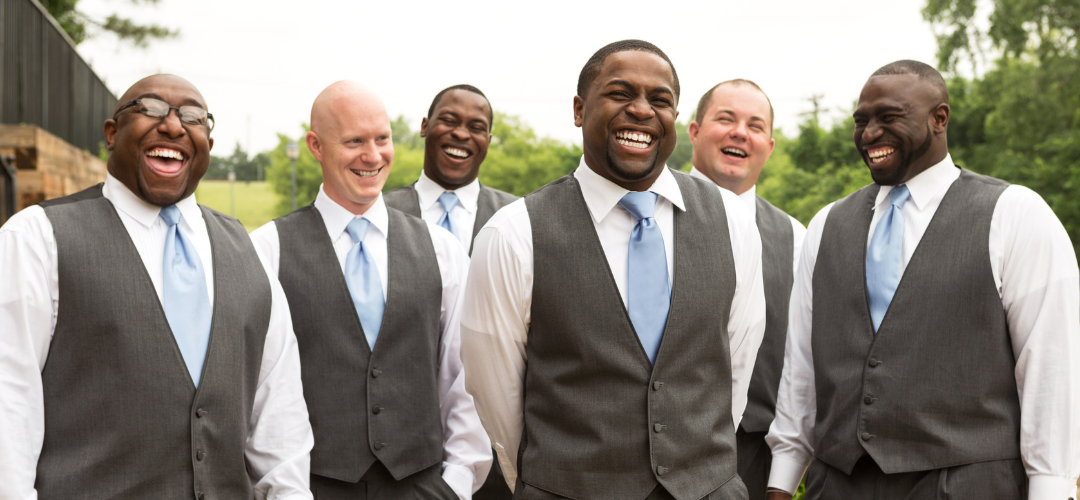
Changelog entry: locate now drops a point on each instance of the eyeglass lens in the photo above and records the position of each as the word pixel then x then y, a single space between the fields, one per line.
pixel 192 115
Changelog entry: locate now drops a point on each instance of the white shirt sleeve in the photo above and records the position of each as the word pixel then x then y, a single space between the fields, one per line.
pixel 746 319
pixel 28 301
pixel 467 449
pixel 796 401
pixel 1040 290
pixel 495 321
pixel 280 441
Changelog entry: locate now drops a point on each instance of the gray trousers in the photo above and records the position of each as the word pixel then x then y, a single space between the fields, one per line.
pixel 755 460
pixel 378 484
pixel 494 487
pixel 999 480
pixel 731 490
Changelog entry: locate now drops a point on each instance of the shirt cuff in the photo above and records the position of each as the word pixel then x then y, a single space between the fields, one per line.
pixel 460 479
pixel 1046 487
pixel 786 474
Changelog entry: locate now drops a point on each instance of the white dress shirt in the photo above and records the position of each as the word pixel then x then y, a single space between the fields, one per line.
pixel 749 197
pixel 498 307
pixel 280 438
pixel 462 217
pixel 1035 270
pixel 466 448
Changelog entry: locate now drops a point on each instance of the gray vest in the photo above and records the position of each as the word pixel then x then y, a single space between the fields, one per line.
pixel 777 257
pixel 366 404
pixel 122 416
pixel 489 201
pixel 600 421
pixel 935 386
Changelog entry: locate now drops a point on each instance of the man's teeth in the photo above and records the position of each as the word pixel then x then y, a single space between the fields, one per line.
pixel 166 153
pixel 640 140
pixel 366 173
pixel 735 151
pixel 879 155
pixel 460 153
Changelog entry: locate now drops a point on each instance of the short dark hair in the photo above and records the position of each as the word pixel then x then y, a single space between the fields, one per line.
pixel 468 88
pixel 922 70
pixel 595 63
pixel 706 100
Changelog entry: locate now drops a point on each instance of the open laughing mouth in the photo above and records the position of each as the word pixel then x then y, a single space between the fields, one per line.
pixel 879 155
pixel 366 173
pixel 736 152
pixel 165 162
pixel 456 153
pixel 634 139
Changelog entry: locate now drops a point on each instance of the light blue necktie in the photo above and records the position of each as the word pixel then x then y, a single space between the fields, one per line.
pixel 648 290
pixel 362 277
pixel 184 295
pixel 449 201
pixel 884 256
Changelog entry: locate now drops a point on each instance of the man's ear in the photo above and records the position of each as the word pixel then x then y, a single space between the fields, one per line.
pixel 314 145
pixel 423 127
pixel 579 111
pixel 693 130
pixel 110 134
pixel 939 118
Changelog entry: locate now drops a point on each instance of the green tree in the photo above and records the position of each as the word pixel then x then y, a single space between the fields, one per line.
pixel 246 169
pixel 683 155
pixel 81 27
pixel 278 174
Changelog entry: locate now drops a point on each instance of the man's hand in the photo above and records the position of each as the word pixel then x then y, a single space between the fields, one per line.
pixel 777 495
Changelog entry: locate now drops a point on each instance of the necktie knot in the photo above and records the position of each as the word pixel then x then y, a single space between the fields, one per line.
pixel 171 215
pixel 640 204
pixel 899 195
pixel 357 229
pixel 449 201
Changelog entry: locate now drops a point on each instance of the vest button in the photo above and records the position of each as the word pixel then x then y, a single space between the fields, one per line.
pixel 874 362
pixel 200 413
pixel 866 436
pixel 199 455
pixel 656 385
pixel 658 427
pixel 376 373
pixel 661 470
pixel 376 409
pixel 379 445
pixel 202 496
pixel 868 400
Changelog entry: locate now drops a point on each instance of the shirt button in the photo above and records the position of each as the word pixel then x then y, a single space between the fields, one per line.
pixel 874 362
pixel 657 385
pixel 868 400
pixel 376 409
pixel 866 436
pixel 200 413
pixel 199 455
pixel 376 373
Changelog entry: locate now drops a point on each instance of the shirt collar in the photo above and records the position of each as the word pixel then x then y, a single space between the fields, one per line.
pixel 337 218
pixel 928 185
pixel 602 195
pixel 428 192
pixel 142 211
pixel 748 197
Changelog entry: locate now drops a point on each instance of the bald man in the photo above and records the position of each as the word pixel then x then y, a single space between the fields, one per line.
pixel 172 369
pixel 375 295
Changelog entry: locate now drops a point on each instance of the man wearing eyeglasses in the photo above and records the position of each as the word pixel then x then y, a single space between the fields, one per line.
pixel 146 353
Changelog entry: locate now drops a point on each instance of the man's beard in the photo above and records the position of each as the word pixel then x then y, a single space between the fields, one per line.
pixel 628 175
pixel 906 160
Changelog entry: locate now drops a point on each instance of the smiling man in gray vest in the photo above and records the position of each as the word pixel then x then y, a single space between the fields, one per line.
pixel 146 354
pixel 732 136
pixel 375 295
pixel 456 135
pixel 935 320
pixel 613 316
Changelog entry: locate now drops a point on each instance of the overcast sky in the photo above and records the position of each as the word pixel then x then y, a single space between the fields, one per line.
pixel 260 64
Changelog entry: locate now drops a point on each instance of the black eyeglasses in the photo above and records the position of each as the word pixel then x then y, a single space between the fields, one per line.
pixel 156 108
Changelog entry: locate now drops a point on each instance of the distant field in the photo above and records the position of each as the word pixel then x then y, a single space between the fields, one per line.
pixel 255 201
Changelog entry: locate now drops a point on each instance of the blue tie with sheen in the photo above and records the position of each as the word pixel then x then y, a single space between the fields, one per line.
pixel 449 201
pixel 884 256
pixel 184 296
pixel 648 290
pixel 364 283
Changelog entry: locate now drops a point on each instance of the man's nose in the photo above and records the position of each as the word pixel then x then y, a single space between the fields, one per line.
pixel 641 109
pixel 171 124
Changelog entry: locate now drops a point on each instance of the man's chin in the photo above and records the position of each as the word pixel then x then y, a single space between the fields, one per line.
pixel 633 171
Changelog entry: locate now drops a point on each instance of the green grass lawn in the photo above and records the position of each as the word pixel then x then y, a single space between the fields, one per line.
pixel 255 201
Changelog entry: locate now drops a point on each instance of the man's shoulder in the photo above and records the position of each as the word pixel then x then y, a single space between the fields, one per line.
pixel 90 193
pixel 502 198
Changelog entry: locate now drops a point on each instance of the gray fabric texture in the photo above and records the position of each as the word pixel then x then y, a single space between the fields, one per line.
pixel 777 255
pixel 366 404
pixel 378 484
pixel 600 421
pixel 489 201
pixel 935 387
pixel 122 416
pixel 755 461
pixel 997 479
